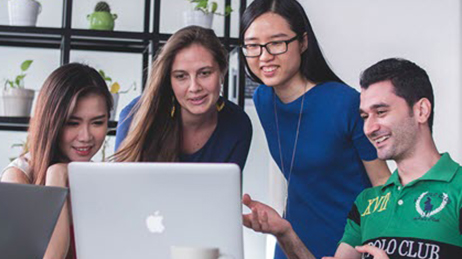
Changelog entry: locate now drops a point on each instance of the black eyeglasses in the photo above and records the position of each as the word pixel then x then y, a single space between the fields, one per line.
pixel 273 48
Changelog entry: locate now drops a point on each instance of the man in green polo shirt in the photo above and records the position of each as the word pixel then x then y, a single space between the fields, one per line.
pixel 417 213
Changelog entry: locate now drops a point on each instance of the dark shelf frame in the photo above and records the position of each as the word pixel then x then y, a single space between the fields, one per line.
pixel 66 39
pixel 22 124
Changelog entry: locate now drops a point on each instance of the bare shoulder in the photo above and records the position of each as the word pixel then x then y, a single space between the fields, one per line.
pixel 59 167
pixel 57 175
pixel 14 175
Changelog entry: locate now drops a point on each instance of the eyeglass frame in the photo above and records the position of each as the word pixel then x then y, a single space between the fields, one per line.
pixel 266 47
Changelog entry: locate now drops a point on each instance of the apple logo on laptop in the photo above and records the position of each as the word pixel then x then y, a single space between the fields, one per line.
pixel 154 223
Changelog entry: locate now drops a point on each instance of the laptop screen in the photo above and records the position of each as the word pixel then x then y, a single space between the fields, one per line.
pixel 28 214
pixel 141 210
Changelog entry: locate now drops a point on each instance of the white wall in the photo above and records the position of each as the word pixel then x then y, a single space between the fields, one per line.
pixel 357 33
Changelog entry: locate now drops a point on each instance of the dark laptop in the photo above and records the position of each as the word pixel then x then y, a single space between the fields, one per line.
pixel 28 214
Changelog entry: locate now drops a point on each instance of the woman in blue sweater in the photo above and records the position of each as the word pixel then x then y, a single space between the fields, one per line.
pixel 311 121
pixel 181 116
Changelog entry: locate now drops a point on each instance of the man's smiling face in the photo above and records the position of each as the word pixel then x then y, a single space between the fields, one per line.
pixel 389 122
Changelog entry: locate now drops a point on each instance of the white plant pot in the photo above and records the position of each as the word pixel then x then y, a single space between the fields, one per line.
pixel 115 98
pixel 17 102
pixel 199 18
pixel 2 113
pixel 23 12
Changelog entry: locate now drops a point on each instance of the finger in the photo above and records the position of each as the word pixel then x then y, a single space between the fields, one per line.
pixel 264 221
pixel 375 251
pixel 247 200
pixel 246 220
pixel 255 220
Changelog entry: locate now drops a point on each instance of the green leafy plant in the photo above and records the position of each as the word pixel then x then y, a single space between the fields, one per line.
pixel 207 7
pixel 18 82
pixel 102 7
pixel 114 87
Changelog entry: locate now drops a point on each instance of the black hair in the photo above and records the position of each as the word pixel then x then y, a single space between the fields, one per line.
pixel 313 65
pixel 409 81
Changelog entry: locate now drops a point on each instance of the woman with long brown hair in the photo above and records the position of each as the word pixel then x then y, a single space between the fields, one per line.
pixel 180 115
pixel 69 124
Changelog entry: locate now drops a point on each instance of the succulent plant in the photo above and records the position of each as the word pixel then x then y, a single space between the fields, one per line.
pixel 102 7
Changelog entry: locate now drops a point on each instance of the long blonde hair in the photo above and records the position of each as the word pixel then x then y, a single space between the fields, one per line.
pixel 154 135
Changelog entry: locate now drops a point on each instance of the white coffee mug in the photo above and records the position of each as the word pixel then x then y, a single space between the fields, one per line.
pixel 189 252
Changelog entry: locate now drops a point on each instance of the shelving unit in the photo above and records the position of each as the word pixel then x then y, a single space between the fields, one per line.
pixel 67 38
pixel 22 123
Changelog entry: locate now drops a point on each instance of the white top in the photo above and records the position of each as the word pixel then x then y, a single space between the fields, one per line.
pixel 21 163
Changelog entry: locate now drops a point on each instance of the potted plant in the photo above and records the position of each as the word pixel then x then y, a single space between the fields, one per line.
pixel 17 101
pixel 114 88
pixel 101 18
pixel 23 12
pixel 201 13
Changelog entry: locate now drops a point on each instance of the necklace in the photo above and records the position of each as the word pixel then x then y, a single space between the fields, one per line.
pixel 295 145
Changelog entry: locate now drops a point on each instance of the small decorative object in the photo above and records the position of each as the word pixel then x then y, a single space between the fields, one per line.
pixel 114 88
pixel 22 149
pixel 201 13
pixel 17 101
pixel 104 150
pixel 101 18
pixel 23 12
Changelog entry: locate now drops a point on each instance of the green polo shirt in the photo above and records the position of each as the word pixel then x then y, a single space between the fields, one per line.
pixel 419 220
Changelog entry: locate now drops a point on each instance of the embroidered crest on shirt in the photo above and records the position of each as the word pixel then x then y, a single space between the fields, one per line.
pixel 427 205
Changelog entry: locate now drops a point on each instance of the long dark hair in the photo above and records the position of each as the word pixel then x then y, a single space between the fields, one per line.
pixel 154 134
pixel 313 65
pixel 55 103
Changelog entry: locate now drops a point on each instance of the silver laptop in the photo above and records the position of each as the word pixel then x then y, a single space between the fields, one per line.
pixel 28 214
pixel 140 210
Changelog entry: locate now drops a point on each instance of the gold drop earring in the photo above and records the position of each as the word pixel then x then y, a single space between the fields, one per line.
pixel 172 112
pixel 220 104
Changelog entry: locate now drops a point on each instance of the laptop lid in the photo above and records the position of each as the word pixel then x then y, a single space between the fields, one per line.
pixel 28 214
pixel 140 210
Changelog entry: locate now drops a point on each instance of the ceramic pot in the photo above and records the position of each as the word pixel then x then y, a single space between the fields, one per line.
pixel 103 21
pixel 199 18
pixel 115 98
pixel 17 102
pixel 23 12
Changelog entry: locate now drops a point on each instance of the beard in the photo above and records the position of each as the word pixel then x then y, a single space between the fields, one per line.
pixel 402 141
